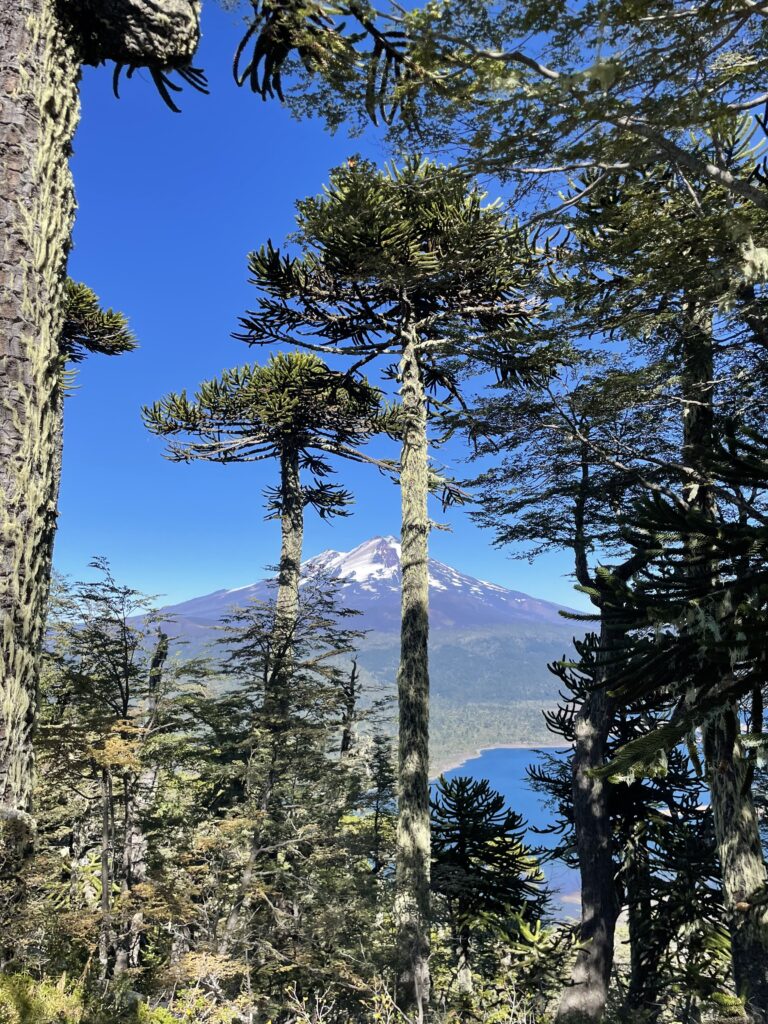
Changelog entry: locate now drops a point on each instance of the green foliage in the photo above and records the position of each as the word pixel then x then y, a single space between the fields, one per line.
pixel 25 1000
pixel 292 406
pixel 418 237
pixel 481 866
pixel 88 328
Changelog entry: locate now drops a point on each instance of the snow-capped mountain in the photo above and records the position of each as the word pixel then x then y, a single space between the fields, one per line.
pixel 488 651
pixel 371 584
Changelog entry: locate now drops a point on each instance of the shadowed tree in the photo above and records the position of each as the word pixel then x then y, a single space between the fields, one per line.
pixel 480 864
pixel 644 279
pixel 563 481
pixel 410 264
pixel 663 846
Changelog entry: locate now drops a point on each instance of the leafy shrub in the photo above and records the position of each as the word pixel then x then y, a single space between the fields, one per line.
pixel 23 1000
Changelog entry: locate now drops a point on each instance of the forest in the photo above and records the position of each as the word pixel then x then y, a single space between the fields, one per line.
pixel 564 264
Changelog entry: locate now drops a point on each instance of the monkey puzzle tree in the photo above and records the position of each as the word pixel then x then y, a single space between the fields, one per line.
pixel 670 268
pixel 410 264
pixel 86 328
pixel 294 410
pixel 481 866
pixel 563 479
pixel 664 862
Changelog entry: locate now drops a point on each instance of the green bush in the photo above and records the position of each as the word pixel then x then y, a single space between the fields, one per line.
pixel 23 1000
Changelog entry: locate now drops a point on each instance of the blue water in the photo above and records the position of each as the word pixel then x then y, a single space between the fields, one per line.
pixel 505 769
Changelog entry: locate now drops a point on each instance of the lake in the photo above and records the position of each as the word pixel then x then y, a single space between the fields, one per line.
pixel 505 769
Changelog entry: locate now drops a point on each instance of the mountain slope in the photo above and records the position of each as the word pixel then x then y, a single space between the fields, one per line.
pixel 488 645
pixel 371 573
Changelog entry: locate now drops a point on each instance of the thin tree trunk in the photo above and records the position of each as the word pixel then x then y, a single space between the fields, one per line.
pixel 645 955
pixel 139 794
pixel 350 693
pixel 413 825
pixel 584 1000
pixel 464 975
pixel 105 928
pixel 288 579
pixel 742 865
pixel 277 695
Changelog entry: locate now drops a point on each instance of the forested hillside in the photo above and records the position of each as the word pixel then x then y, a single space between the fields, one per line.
pixel 546 311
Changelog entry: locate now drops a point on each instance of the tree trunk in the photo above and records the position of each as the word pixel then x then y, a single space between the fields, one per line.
pixel 742 866
pixel 413 835
pixel 464 974
pixel 40 57
pixel 277 696
pixel 105 927
pixel 645 954
pixel 351 691
pixel 38 116
pixel 139 796
pixel 289 576
pixel 584 1000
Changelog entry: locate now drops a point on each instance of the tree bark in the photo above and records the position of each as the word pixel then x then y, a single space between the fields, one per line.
pixel 139 792
pixel 158 34
pixel 38 116
pixel 413 825
pixel 645 953
pixel 351 691
pixel 105 927
pixel 584 1000
pixel 464 974
pixel 277 696
pixel 742 866
pixel 42 44
pixel 288 579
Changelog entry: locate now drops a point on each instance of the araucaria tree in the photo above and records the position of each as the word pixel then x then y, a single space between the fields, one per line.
pixel 42 47
pixel 410 264
pixel 294 410
pixel 85 328
pixel 482 869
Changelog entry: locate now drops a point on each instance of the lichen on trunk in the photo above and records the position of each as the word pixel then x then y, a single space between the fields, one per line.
pixel 742 865
pixel 413 826
pixel 42 45
pixel 38 116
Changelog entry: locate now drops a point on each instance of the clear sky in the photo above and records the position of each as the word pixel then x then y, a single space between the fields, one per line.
pixel 169 206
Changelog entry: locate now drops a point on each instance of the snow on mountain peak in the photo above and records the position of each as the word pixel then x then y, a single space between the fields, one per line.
pixel 371 574
pixel 378 558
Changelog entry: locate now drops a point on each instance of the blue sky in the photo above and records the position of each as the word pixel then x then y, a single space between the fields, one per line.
pixel 169 207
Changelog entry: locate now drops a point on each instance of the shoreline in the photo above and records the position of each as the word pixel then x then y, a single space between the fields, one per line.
pixel 442 767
